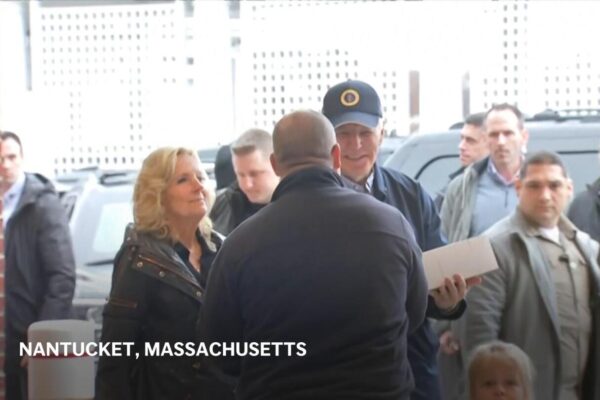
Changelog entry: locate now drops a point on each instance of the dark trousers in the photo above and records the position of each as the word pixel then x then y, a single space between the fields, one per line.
pixel 15 375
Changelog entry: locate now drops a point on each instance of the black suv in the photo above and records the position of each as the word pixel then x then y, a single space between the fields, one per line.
pixel 431 157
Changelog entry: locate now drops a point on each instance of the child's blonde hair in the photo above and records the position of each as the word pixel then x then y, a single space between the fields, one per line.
pixel 506 352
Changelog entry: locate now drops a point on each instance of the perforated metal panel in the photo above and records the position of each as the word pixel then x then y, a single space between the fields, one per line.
pixel 118 80
pixel 565 61
pixel 292 52
pixel 124 79
pixel 541 56
pixel 102 65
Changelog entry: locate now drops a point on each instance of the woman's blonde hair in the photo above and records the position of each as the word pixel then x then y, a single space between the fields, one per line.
pixel 148 210
pixel 509 352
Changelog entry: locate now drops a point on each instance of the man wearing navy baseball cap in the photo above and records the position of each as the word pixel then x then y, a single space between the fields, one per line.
pixel 354 109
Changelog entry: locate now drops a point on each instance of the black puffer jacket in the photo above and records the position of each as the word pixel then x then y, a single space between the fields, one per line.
pixel 40 267
pixel 155 298
pixel 326 266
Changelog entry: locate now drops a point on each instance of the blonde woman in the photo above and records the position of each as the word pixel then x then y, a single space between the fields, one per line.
pixel 158 283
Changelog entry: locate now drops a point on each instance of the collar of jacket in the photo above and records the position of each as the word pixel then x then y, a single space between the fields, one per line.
pixel 470 175
pixel 524 226
pixel 379 189
pixel 480 166
pixel 216 237
pixel 160 252
pixel 594 188
pixel 457 173
pixel 35 186
pixel 315 176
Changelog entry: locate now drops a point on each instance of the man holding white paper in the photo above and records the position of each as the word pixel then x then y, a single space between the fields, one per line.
pixel 354 109
pixel 470 258
pixel 543 296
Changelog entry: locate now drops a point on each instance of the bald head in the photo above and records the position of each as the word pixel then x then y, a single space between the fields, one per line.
pixel 303 139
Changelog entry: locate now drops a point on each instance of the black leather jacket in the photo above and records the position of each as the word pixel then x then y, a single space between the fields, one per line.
pixel 155 297
pixel 231 208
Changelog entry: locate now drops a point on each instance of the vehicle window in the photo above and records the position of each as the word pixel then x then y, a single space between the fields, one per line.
pixel 98 226
pixel 581 166
pixel 208 155
pixel 108 237
pixel 383 155
pixel 434 175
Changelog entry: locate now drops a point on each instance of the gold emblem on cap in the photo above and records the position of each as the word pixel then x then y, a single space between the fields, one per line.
pixel 349 97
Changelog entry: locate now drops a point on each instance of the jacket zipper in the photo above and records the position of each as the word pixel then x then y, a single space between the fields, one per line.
pixel 162 266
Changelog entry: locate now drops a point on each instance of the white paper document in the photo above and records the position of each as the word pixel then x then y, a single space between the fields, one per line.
pixel 469 258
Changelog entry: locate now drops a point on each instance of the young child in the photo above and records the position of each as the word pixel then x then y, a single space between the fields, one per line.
pixel 499 370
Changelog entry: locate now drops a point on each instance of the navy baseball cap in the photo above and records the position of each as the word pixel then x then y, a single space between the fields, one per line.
pixel 352 102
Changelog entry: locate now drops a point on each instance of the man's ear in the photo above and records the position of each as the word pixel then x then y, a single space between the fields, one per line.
pixel 525 134
pixel 275 165
pixel 518 186
pixel 570 187
pixel 381 132
pixel 336 157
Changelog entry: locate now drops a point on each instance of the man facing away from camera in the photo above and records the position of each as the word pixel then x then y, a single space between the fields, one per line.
pixel 323 265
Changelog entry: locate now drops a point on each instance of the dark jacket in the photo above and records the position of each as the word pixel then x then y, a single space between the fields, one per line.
pixel 155 298
pixel 231 208
pixel 408 196
pixel 224 173
pixel 584 211
pixel 40 266
pixel 327 266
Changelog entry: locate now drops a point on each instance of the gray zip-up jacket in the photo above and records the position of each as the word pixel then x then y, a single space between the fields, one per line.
pixel 458 206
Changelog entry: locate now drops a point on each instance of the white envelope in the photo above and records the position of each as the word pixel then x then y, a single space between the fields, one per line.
pixel 469 258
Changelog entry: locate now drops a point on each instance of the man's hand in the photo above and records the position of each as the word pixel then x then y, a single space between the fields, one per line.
pixel 453 291
pixel 448 343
